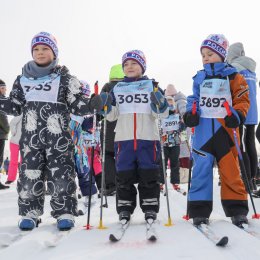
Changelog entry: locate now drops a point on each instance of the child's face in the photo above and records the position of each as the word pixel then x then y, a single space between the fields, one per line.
pixel 209 56
pixel 132 69
pixel 42 55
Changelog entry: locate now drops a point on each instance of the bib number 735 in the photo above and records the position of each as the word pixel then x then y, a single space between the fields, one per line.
pixel 45 87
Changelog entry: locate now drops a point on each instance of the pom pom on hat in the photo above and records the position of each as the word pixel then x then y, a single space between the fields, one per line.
pixel 217 43
pixel 85 88
pixel 170 90
pixel 137 56
pixel 47 39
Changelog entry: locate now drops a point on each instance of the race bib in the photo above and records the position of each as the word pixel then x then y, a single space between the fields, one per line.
pixel 213 93
pixel 43 89
pixel 134 97
pixel 171 123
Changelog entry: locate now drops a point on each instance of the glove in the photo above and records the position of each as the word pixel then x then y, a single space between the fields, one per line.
pixel 191 120
pixel 157 99
pixel 95 103
pixel 106 101
pixel 235 119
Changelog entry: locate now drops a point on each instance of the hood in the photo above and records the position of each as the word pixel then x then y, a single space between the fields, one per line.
pixel 236 57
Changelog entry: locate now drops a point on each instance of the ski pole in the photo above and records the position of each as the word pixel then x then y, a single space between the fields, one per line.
pixel 163 163
pixel 103 171
pixel 190 163
pixel 92 157
pixel 242 165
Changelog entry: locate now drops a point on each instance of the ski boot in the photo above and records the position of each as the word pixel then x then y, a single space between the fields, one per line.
pixel 150 215
pixel 65 222
pixel 200 220
pixel 239 220
pixel 124 215
pixel 28 224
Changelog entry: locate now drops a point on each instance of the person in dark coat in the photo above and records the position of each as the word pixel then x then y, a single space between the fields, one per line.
pixel 116 75
pixel 4 130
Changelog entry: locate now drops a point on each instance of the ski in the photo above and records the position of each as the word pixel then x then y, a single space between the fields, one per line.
pixel 249 230
pixel 56 237
pixel 210 234
pixel 7 239
pixel 150 230
pixel 114 237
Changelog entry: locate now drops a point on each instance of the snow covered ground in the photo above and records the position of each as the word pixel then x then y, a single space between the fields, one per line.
pixel 181 241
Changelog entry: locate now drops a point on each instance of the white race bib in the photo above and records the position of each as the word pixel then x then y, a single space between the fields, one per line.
pixel 213 93
pixel 171 123
pixel 134 97
pixel 43 89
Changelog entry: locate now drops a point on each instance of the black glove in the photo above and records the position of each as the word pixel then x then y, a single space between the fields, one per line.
pixel 95 103
pixel 234 120
pixel 191 120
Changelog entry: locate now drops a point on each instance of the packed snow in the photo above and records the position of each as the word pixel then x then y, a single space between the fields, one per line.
pixel 180 241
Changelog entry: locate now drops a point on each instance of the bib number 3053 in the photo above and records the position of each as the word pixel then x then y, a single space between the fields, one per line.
pixel 133 98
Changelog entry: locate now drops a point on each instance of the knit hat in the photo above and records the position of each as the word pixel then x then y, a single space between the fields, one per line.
pixel 45 39
pixel 85 88
pixel 2 83
pixel 116 72
pixel 217 43
pixel 137 56
pixel 170 91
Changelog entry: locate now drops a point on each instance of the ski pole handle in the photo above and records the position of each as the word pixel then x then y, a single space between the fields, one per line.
pixel 193 111
pixel 96 88
pixel 226 105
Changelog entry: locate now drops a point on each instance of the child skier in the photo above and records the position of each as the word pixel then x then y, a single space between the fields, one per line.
pixel 213 137
pixel 82 164
pixel 46 94
pixel 137 148
pixel 172 127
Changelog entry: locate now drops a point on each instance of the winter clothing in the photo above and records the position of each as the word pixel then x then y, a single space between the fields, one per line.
pixel 44 38
pixel 217 43
pixel 4 129
pixel 170 91
pixel 137 56
pixel 172 127
pixel 6 165
pixel 110 168
pixel 213 140
pixel 46 146
pixel 137 145
pixel 116 73
pixel 246 66
pixel 81 156
pixel 16 129
pixel 14 159
pixel 157 100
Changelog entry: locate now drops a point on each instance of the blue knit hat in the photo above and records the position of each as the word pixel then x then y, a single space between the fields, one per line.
pixel 137 56
pixel 217 43
pixel 47 39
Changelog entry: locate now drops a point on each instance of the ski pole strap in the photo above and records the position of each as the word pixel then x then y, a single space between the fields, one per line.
pixel 226 105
